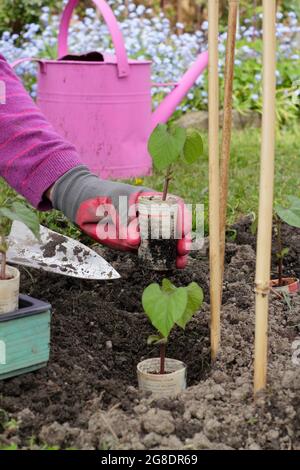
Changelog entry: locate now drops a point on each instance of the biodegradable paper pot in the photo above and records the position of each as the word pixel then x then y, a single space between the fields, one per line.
pixel 291 285
pixel 9 291
pixel 169 384
pixel 158 228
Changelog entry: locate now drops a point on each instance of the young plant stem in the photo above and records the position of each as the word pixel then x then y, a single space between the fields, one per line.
pixel 168 178
pixel 279 247
pixel 163 347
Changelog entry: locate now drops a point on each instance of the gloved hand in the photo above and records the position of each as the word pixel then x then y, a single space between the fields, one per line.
pixel 107 211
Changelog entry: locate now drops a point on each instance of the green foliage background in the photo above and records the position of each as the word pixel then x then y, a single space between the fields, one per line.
pixel 15 14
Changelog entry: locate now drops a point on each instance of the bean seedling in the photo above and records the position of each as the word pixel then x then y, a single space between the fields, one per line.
pixel 11 210
pixel 167 306
pixel 167 144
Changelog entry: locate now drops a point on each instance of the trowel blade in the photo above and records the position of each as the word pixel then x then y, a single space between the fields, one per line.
pixel 57 254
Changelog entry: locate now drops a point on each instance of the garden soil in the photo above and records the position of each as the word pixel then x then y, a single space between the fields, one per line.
pixel 87 397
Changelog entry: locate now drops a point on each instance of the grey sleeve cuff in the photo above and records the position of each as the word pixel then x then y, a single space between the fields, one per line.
pixel 79 185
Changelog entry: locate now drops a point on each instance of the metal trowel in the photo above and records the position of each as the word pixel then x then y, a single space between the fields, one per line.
pixel 57 254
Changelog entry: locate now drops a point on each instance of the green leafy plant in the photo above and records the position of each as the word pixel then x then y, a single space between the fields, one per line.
pixel 291 216
pixel 167 306
pixel 167 144
pixel 10 210
pixel 15 14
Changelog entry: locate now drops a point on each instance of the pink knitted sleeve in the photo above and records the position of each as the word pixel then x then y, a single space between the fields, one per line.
pixel 32 155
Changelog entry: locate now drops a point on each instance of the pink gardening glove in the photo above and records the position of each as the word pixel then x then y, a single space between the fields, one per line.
pixel 94 205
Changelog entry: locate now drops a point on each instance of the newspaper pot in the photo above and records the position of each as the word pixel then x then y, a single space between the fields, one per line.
pixel 163 385
pixel 9 290
pixel 291 285
pixel 158 229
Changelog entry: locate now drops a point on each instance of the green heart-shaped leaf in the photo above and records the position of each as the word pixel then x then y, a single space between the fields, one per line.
pixel 294 200
pixel 194 302
pixel 165 146
pixel 193 147
pixel 291 214
pixel 22 213
pixel 164 307
pixel 167 286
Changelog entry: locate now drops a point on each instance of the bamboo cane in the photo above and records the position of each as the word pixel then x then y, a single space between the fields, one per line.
pixel 238 22
pixel 264 236
pixel 214 177
pixel 227 124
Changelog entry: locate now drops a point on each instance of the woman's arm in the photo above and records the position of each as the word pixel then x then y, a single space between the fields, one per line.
pixel 32 155
pixel 47 171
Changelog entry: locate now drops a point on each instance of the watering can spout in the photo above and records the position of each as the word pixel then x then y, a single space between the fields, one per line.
pixel 165 110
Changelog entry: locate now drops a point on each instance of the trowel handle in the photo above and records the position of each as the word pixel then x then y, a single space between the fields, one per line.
pixel 116 34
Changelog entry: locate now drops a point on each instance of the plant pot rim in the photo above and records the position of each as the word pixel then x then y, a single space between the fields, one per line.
pixel 28 307
pixel 13 271
pixel 291 281
pixel 157 199
pixel 290 288
pixel 182 367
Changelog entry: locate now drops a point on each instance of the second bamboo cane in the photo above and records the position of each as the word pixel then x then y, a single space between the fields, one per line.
pixel 227 124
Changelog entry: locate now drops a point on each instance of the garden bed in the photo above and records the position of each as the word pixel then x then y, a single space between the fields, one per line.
pixel 87 397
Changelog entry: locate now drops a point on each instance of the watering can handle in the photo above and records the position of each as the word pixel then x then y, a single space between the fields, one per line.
pixel 116 34
pixel 29 59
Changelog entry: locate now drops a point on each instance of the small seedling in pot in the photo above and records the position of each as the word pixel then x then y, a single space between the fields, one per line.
pixel 25 321
pixel 167 306
pixel 291 216
pixel 159 215
pixel 11 210
pixel 169 144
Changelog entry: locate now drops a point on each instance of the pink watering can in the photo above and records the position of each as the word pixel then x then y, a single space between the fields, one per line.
pixel 104 107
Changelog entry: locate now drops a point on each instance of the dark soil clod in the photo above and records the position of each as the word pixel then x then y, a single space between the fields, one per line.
pixel 54 245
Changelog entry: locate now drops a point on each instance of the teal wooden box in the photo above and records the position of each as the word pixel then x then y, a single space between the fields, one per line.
pixel 25 338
